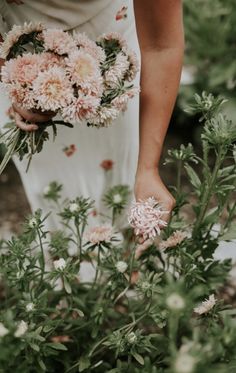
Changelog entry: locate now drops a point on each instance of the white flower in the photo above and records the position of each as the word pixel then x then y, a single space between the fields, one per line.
pixel 117 198
pixel 206 306
pixel 131 338
pixel 175 302
pixel 3 330
pixel 102 233
pixel 74 207
pixel 184 363
pixel 30 307
pixel 59 264
pixel 22 328
pixel 121 266
pixel 32 223
pixel 46 190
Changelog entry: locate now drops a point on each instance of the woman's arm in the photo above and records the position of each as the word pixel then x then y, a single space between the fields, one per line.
pixel 161 38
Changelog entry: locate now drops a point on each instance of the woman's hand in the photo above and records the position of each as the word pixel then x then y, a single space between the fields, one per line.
pixel 21 115
pixel 148 183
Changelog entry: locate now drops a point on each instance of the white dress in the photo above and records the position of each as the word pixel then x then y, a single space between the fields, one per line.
pixel 79 171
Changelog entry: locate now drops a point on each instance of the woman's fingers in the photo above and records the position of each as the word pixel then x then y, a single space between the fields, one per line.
pixel 22 125
pixel 35 117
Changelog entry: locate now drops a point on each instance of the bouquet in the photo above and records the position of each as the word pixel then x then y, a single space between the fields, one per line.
pixel 50 70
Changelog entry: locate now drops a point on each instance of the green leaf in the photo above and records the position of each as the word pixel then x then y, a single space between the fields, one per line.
pixel 230 234
pixel 47 328
pixel 34 347
pixel 42 365
pixel 193 177
pixel 84 363
pixel 67 286
pixel 57 346
pixel 138 357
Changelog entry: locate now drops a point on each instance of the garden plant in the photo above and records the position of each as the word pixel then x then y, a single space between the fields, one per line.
pixel 152 306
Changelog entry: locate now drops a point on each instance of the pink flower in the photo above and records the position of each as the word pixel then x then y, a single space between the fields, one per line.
pixel 146 218
pixel 53 89
pixel 82 68
pixel 22 70
pixel 82 108
pixel 107 164
pixel 104 117
pixel 17 93
pixel 121 102
pixel 115 36
pixel 117 71
pixel 134 65
pixel 14 34
pixel 99 234
pixel 48 59
pixel 89 46
pixel 122 13
pixel 58 41
pixel 175 239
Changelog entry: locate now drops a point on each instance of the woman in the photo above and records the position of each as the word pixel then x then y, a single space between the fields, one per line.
pixel 160 36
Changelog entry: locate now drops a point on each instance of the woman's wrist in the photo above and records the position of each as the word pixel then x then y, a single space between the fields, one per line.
pixel 143 169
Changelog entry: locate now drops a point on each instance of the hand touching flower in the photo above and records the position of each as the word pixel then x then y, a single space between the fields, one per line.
pixel 149 184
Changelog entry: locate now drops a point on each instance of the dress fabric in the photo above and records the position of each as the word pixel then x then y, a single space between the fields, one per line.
pixel 75 158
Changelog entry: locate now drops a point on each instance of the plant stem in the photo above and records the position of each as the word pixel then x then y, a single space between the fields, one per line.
pixel 10 151
pixel 178 183
pixel 208 191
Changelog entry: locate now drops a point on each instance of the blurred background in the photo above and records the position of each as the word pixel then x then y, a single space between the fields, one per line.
pixel 210 29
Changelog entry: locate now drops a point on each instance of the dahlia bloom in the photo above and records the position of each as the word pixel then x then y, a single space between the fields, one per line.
pixel 15 33
pixel 99 234
pixel 89 46
pixel 82 108
pixel 21 70
pixel 117 71
pixel 52 89
pixel 115 36
pixel 121 101
pixel 175 239
pixel 58 41
pixel 146 218
pixel 82 67
pixel 134 65
pixel 206 305
pixel 48 59
pixel 105 116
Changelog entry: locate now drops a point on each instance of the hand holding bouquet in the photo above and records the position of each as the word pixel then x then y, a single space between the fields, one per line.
pixel 50 70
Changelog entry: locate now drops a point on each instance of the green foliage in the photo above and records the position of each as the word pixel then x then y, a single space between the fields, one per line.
pixel 140 312
pixel 210 28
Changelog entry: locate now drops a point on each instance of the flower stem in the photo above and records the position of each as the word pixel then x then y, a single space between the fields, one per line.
pixel 10 151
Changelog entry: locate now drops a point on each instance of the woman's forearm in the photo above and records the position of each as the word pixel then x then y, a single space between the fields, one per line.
pixel 161 39
pixel 160 77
